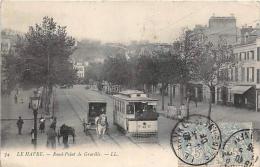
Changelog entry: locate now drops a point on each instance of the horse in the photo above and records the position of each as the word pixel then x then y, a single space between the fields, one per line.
pixel 66 131
pixel 101 125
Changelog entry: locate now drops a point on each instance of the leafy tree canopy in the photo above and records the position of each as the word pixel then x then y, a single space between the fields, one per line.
pixel 44 53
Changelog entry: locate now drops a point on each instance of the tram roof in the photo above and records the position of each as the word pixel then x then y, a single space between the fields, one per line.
pixel 129 92
pixel 96 101
pixel 123 97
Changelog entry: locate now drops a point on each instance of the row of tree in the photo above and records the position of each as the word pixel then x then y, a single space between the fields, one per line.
pixel 40 58
pixel 191 58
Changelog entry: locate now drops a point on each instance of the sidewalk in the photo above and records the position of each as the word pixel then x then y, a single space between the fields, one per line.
pixel 9 115
pixel 219 113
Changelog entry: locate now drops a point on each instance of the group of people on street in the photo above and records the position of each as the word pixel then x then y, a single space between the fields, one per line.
pixel 100 122
pixel 51 133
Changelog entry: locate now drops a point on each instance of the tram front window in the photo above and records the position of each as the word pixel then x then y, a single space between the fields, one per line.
pixel 143 111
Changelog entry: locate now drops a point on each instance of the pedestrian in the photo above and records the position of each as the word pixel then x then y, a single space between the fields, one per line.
pixel 96 123
pixel 84 125
pixel 32 136
pixel 65 140
pixel 42 125
pixel 19 124
pixel 15 98
pixel 51 137
pixel 54 122
pixel 196 102
pixel 102 125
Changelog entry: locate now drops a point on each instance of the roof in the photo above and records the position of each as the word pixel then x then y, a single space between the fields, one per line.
pixel 96 101
pixel 128 92
pixel 134 98
pixel 240 89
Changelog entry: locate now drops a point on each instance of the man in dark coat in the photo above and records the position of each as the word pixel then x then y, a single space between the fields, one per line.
pixel 51 137
pixel 65 135
pixel 53 123
pixel 15 98
pixel 65 140
pixel 19 124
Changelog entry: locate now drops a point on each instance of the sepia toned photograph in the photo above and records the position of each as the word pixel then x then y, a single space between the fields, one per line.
pixel 130 83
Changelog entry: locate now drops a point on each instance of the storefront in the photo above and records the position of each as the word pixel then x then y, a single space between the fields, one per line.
pixel 196 91
pixel 257 99
pixel 244 96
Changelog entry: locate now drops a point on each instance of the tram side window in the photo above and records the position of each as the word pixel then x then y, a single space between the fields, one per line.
pixel 117 105
pixel 122 106
pixel 130 108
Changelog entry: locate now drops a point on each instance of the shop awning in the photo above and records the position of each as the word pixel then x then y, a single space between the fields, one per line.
pixel 240 89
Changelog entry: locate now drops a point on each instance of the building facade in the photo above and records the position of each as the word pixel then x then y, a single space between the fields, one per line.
pixel 243 87
pixel 218 29
pixel 80 69
pixel 222 28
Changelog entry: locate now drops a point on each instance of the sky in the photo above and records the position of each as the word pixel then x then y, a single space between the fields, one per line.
pixel 125 21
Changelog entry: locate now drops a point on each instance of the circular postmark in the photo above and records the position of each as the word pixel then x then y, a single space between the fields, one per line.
pixel 196 140
pixel 238 149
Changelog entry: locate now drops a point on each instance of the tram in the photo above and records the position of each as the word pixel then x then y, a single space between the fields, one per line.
pixel 135 113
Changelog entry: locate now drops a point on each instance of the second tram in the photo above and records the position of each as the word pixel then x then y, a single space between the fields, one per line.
pixel 135 113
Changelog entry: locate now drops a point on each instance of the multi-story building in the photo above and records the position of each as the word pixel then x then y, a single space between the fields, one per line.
pixel 219 28
pixel 80 69
pixel 243 87
pixel 223 28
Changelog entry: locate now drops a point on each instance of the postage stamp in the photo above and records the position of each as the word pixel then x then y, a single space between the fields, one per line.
pixel 196 140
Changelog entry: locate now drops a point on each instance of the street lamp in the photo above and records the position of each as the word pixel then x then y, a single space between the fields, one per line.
pixel 35 105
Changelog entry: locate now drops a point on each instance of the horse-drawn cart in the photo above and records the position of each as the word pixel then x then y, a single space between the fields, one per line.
pixel 94 109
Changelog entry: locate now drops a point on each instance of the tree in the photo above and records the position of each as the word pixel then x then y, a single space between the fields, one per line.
pixel 94 72
pixel 147 70
pixel 168 65
pixel 9 73
pixel 44 52
pixel 116 70
pixel 188 48
pixel 210 62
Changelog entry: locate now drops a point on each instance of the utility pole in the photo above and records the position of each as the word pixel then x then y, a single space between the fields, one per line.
pixel 48 79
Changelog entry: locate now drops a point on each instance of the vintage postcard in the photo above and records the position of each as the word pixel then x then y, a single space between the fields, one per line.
pixel 130 83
